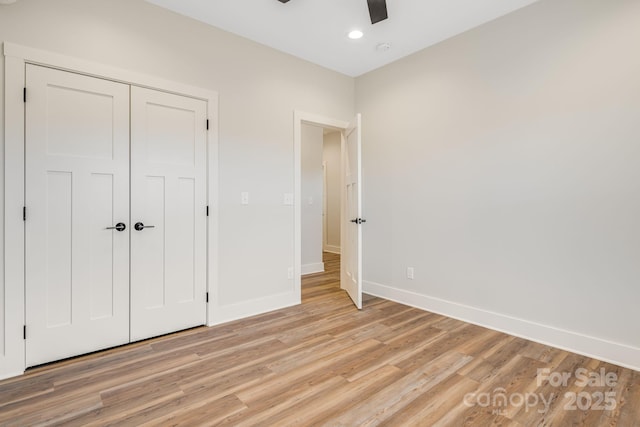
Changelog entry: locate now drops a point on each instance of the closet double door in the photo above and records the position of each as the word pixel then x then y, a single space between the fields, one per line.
pixel 115 219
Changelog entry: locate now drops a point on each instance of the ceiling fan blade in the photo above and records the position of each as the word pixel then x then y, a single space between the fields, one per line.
pixel 377 10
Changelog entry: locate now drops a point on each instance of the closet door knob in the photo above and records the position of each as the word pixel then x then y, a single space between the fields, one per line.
pixel 119 226
pixel 140 226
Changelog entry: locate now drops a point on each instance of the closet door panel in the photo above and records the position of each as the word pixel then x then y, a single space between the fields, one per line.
pixel 76 187
pixel 168 202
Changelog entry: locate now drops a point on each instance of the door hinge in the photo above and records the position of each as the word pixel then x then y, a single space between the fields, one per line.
pixel 207 124
pixel 24 94
pixel 24 332
pixel 207 297
pixel 24 213
pixel 207 210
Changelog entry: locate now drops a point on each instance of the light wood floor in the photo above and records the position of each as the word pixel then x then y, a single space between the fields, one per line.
pixel 322 363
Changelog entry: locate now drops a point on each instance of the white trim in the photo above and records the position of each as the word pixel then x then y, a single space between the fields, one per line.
pixel 95 69
pixel 325 232
pixel 213 168
pixel 231 312
pixel 597 348
pixel 13 358
pixel 312 268
pixel 300 117
pixel 16 57
pixel 332 249
pixel 8 375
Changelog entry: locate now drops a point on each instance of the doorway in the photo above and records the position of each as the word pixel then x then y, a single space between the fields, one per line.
pixel 350 199
pixel 321 201
pixel 331 203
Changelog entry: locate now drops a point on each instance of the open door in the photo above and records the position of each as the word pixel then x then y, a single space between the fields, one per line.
pixel 351 260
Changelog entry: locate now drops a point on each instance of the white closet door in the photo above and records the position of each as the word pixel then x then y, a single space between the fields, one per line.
pixel 168 199
pixel 77 185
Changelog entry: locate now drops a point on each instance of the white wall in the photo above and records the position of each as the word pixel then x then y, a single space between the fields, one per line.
pixel 331 156
pixel 311 207
pixel 504 166
pixel 259 90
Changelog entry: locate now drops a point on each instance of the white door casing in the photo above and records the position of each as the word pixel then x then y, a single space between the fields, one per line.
pixel 168 193
pixel 351 259
pixel 324 206
pixel 76 185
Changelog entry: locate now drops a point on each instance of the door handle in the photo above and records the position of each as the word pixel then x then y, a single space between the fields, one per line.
pixel 119 226
pixel 359 221
pixel 140 226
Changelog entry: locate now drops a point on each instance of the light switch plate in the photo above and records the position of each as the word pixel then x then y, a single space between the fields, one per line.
pixel 410 273
pixel 288 199
pixel 244 198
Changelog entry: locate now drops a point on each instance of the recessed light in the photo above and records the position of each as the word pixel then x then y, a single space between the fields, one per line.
pixel 355 34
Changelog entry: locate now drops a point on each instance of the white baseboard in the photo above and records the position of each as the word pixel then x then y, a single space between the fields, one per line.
pixel 312 268
pixel 11 375
pixel 597 348
pixel 228 313
pixel 332 249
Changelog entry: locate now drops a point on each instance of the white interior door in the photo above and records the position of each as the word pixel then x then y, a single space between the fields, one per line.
pixel 351 259
pixel 168 198
pixel 76 186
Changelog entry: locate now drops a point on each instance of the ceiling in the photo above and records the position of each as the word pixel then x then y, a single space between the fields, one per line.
pixel 316 30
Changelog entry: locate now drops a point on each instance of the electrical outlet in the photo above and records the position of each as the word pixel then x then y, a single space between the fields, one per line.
pixel 290 272
pixel 410 273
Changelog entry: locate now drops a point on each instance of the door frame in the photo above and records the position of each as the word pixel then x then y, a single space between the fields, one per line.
pixel 12 359
pixel 324 203
pixel 300 118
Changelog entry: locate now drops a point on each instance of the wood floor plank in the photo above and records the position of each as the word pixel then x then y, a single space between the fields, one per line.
pixel 318 370
pixel 322 363
pixel 399 349
pixel 311 354
pixel 89 387
pixel 433 404
pixel 200 413
pixel 271 409
pixel 385 403
pixel 336 401
pixel 52 412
